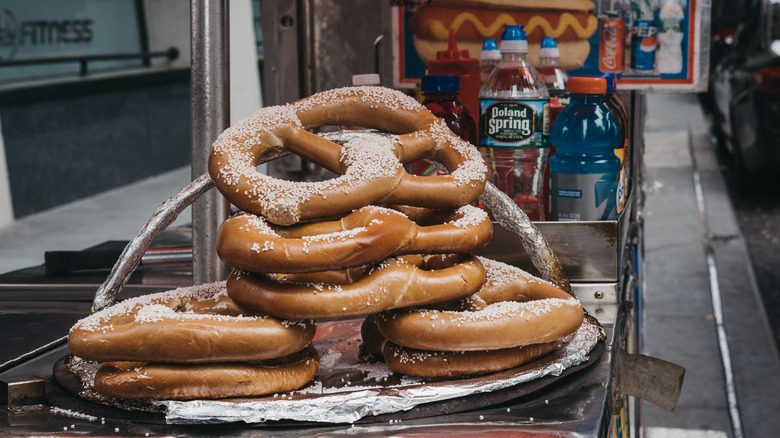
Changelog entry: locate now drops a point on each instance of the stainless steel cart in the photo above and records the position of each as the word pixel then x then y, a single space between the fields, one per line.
pixel 603 260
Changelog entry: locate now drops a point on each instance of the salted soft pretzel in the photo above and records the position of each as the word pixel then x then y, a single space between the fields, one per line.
pixel 426 363
pixel 199 324
pixel 165 381
pixel 513 319
pixel 370 166
pixel 512 309
pixel 368 235
pixel 404 281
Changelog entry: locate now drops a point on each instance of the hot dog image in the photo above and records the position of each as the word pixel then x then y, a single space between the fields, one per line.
pixel 473 21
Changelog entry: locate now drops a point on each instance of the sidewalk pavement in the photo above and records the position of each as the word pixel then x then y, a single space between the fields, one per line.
pixel 694 252
pixel 702 309
pixel 116 214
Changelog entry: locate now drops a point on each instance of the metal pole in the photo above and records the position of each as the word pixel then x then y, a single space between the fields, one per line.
pixel 210 94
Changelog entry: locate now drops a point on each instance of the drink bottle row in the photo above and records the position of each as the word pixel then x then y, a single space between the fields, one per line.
pixel 549 140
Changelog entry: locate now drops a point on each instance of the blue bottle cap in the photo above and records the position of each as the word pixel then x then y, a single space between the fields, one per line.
pixel 489 45
pixel 611 81
pixel 549 49
pixel 513 32
pixel 514 40
pixel 440 83
pixel 490 51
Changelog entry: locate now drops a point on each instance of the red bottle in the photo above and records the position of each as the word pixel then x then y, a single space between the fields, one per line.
pixel 441 98
pixel 458 62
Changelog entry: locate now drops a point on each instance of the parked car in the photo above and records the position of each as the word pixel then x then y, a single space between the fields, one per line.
pixel 746 96
pixel 725 17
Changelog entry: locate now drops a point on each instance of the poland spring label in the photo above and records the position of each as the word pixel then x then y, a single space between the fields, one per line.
pixel 514 123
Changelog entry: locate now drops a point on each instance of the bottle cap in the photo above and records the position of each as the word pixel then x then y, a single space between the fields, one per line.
pixel 490 50
pixel 549 49
pixel 611 79
pixel 452 51
pixel 513 40
pixel 452 60
pixel 440 83
pixel 587 85
pixel 365 79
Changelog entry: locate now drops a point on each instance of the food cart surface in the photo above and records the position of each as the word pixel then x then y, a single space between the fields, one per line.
pixel 675 310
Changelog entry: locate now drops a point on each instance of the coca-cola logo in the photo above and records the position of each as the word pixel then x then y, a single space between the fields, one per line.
pixel 610 47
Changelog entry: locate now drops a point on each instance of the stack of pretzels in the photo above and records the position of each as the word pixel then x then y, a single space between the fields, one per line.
pixel 193 343
pixel 375 243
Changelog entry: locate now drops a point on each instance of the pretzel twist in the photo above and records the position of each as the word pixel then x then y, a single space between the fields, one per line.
pixel 156 381
pixel 423 363
pixel 512 309
pixel 189 325
pixel 368 235
pixel 370 167
pixel 513 319
pixel 395 283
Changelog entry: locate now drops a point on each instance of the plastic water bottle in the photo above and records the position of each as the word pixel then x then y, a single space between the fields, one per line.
pixel 489 58
pixel 584 170
pixel 616 105
pixel 618 108
pixel 440 94
pixel 553 75
pixel 514 125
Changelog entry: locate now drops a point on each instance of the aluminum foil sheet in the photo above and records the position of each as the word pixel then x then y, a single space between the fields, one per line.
pixel 131 256
pixel 504 210
pixel 350 385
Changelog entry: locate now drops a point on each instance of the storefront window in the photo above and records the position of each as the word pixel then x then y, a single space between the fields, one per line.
pixel 45 32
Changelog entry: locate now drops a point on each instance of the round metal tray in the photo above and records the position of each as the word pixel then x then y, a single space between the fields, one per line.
pixel 353 387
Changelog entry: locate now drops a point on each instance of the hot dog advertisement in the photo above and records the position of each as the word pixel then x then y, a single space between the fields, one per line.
pixel 649 44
